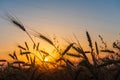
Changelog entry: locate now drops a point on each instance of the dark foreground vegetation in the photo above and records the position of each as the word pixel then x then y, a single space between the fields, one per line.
pixel 62 68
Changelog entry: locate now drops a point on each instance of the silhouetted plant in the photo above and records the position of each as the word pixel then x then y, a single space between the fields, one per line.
pixel 63 68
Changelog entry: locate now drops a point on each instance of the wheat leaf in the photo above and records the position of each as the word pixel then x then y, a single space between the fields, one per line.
pixel 21 47
pixel 44 52
pixel 67 49
pixel 109 51
pixel 70 63
pixel 22 53
pixel 46 39
pixel 37 48
pixel 34 46
pixel 89 39
pixel 26 45
pixel 14 54
pixel 3 60
pixel 11 56
pixel 18 62
pixel 97 51
pixel 27 57
pixel 74 55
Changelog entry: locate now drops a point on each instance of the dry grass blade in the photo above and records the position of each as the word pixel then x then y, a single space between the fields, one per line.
pixel 77 49
pixel 109 51
pixel 20 51
pixel 46 39
pixel 31 60
pixel 26 45
pixel 3 60
pixel 27 57
pixel 97 50
pixel 25 53
pixel 81 51
pixel 34 46
pixel 21 47
pixel 103 42
pixel 67 49
pixel 37 48
pixel 74 55
pixel 34 59
pixel 60 59
pixel 11 56
pixel 86 52
pixel 26 64
pixel 44 52
pixel 90 44
pixel 70 63
pixel 19 62
pixel 89 39
pixel 15 56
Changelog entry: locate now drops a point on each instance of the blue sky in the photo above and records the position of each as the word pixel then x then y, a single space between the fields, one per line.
pixel 59 17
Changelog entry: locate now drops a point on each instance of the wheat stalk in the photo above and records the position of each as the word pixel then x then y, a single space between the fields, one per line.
pixel 18 24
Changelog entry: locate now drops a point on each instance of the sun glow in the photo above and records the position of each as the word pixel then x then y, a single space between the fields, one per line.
pixel 46 59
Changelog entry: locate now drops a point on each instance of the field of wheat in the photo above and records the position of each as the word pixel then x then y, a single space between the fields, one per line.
pixel 37 66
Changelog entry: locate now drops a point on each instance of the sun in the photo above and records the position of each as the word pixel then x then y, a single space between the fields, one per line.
pixel 46 59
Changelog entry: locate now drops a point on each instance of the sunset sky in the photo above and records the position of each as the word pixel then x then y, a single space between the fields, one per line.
pixel 59 17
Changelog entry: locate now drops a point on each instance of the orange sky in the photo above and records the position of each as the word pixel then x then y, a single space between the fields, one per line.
pixel 60 18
